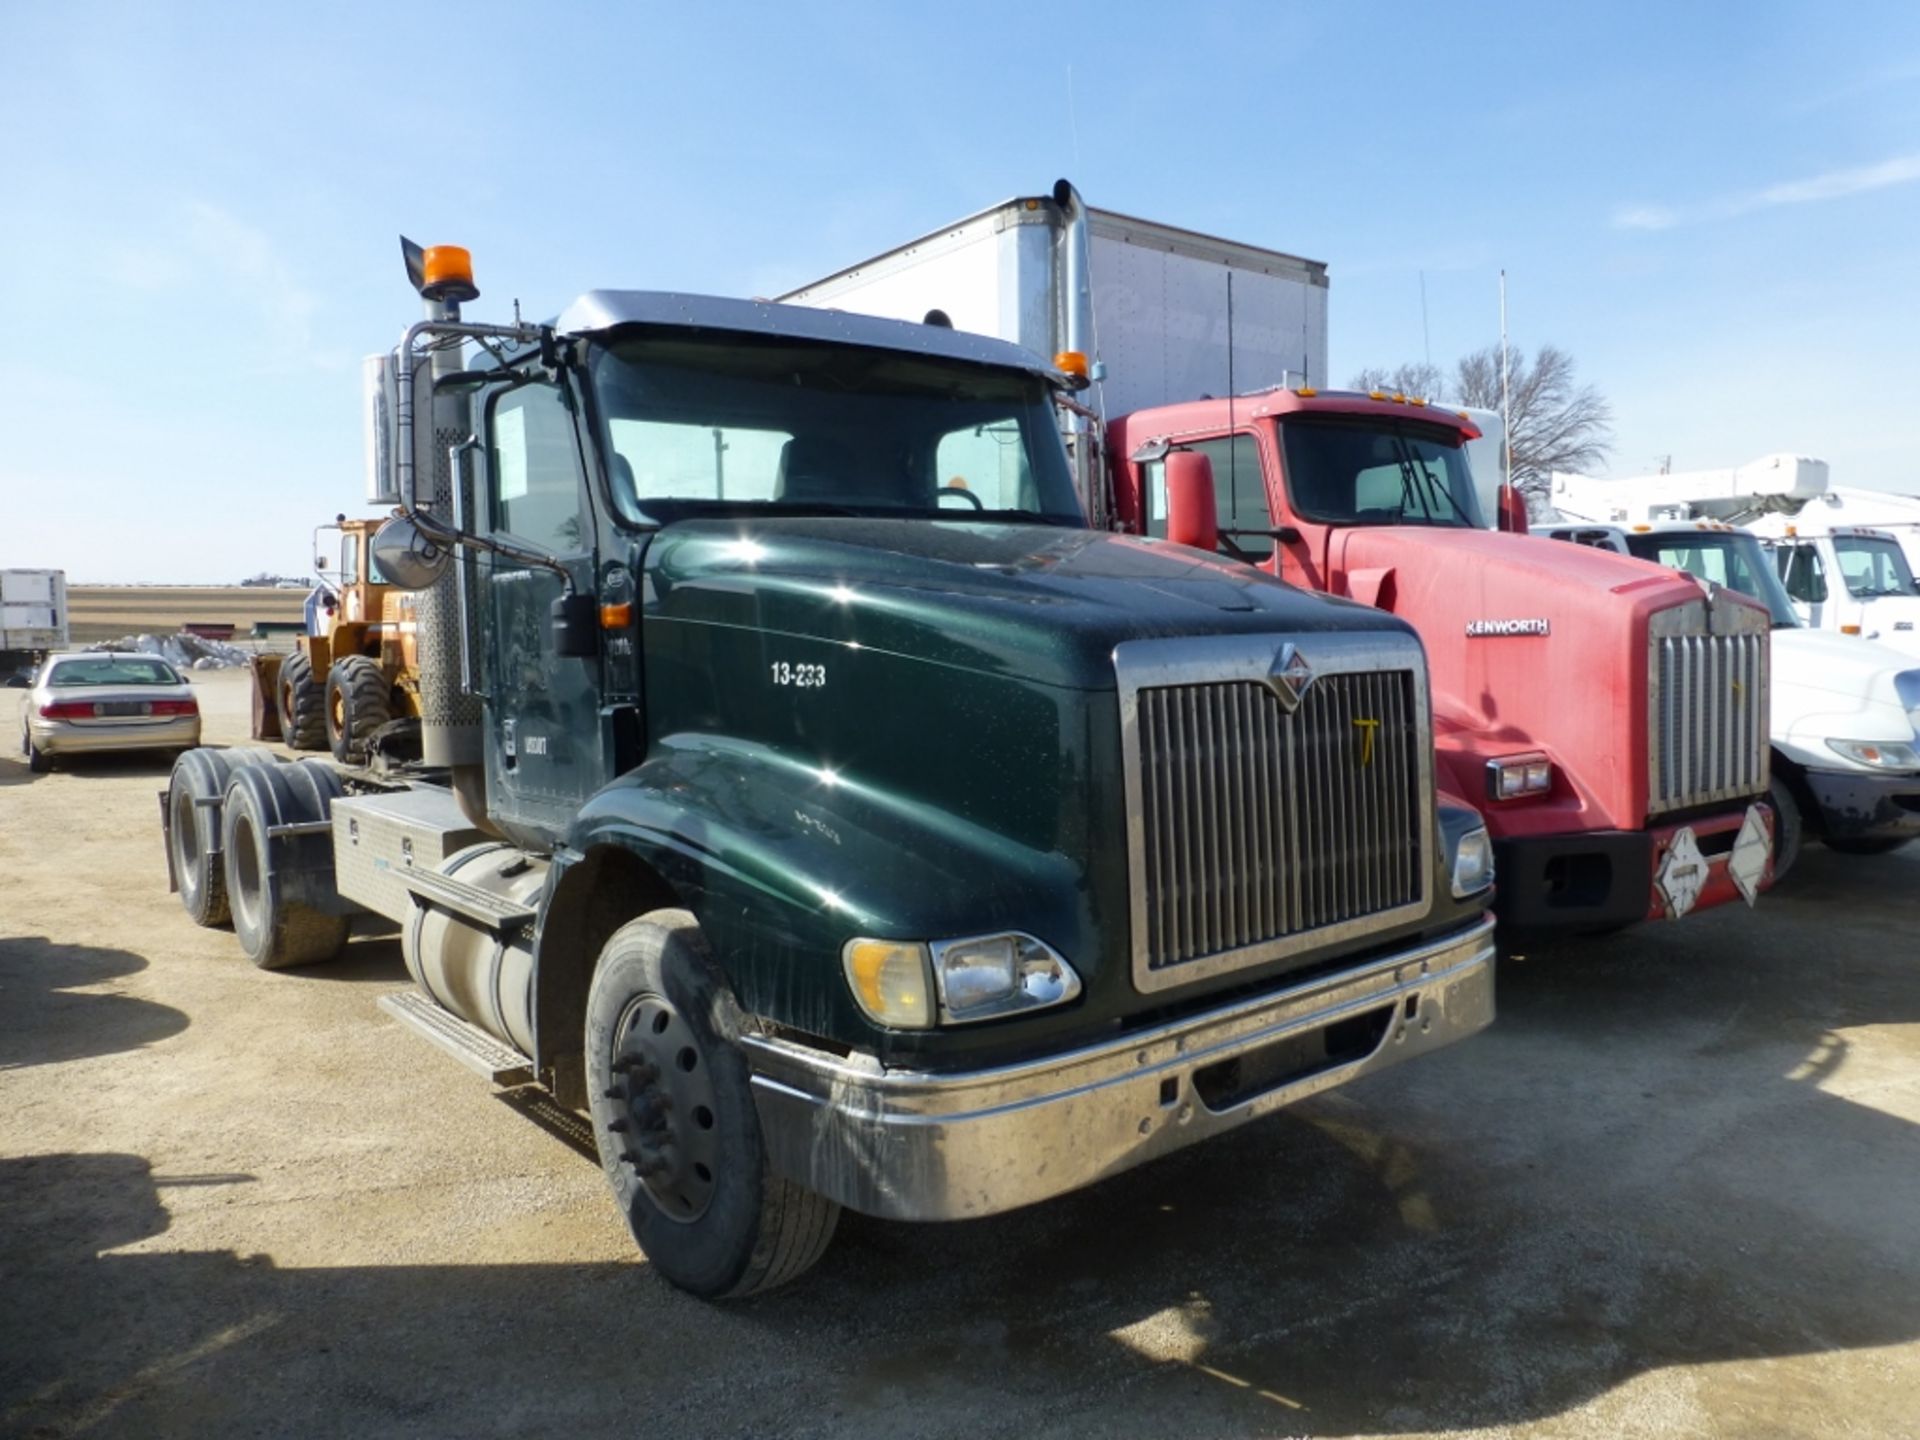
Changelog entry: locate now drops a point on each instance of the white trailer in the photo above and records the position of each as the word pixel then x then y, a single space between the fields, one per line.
pixel 1174 315
pixel 33 619
pixel 1772 485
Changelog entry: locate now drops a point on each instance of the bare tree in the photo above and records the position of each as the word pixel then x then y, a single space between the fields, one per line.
pixel 1425 381
pixel 1554 423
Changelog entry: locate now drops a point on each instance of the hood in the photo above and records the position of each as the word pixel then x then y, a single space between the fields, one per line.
pixel 1532 644
pixel 1042 603
pixel 1845 665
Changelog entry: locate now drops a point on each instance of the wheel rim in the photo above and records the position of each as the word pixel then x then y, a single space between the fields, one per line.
pixel 337 709
pixel 245 899
pixel 664 1122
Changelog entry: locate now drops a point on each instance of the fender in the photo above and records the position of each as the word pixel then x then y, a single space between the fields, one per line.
pixel 783 861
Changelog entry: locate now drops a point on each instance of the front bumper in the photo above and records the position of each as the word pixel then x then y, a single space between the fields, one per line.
pixel 1857 806
pixel 59 737
pixel 915 1145
pixel 1602 879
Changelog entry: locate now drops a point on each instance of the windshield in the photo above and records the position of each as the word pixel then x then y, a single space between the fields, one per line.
pixel 113 670
pixel 1366 472
pixel 698 426
pixel 1733 561
pixel 1872 565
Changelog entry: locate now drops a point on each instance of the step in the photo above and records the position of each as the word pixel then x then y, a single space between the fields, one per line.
pixel 470 1045
pixel 493 911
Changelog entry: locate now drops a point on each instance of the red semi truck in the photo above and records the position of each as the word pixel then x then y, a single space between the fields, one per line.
pixel 1609 716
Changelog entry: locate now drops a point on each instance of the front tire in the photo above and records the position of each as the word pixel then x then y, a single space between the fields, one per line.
pixel 1788 827
pixel 674 1116
pixel 303 720
pixel 359 702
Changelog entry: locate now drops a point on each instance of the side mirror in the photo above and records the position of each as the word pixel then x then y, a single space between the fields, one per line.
pixel 406 556
pixel 574 625
pixel 319 562
pixel 1192 517
pixel 1513 511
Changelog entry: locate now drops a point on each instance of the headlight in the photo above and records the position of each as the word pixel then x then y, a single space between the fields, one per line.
pixel 1881 754
pixel 993 975
pixel 907 984
pixel 1512 776
pixel 1472 863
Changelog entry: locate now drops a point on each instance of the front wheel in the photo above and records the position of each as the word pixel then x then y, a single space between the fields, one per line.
pixel 674 1116
pixel 1787 827
pixel 1876 845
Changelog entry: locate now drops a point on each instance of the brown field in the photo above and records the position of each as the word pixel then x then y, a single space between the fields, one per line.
pixel 106 612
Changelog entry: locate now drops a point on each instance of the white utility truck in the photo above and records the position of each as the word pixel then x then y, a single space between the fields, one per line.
pixel 1844 578
pixel 1845 713
pixel 33 620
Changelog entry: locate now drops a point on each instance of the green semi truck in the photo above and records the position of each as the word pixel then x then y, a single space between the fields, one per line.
pixel 831 830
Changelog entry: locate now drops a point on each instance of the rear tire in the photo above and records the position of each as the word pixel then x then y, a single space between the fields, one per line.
pixel 303 705
pixel 1876 845
pixel 359 702
pixel 674 1116
pixel 38 761
pixel 193 828
pixel 275 930
pixel 1788 827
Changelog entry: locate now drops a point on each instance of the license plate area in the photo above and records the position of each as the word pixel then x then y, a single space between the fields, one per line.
pixel 107 709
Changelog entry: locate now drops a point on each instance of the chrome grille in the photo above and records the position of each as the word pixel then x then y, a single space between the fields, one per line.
pixel 1707 701
pixel 1260 832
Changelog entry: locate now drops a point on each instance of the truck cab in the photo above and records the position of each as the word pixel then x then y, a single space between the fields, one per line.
pixel 1607 715
pixel 811 799
pixel 1847 580
pixel 1845 713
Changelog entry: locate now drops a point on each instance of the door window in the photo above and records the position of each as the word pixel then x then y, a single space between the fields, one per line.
pixel 534 471
pixel 1804 575
pixel 1239 492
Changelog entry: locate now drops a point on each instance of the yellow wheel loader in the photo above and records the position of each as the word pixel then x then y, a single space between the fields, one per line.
pixel 352 683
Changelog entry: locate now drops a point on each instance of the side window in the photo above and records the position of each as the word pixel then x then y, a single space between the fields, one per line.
pixel 1239 491
pixel 533 469
pixel 989 462
pixel 349 559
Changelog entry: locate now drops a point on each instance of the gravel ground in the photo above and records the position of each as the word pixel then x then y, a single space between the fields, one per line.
pixel 1674 1191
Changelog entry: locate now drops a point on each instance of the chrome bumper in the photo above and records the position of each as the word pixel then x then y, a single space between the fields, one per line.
pixel 910 1145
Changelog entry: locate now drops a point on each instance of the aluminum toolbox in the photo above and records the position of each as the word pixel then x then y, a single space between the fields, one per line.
pixel 378 838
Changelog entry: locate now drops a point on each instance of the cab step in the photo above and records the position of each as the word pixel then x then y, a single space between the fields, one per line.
pixel 470 1045
pixel 470 902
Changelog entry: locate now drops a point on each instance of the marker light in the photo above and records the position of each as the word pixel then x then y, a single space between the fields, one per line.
pixel 1071 362
pixel 1513 777
pixel 889 980
pixel 1306 392
pixel 1376 394
pixel 616 617
pixel 1849 629
pixel 447 268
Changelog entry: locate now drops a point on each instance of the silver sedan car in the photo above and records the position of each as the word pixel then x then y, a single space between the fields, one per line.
pixel 81 704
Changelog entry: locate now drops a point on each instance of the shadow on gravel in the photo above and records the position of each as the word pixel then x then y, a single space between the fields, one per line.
pixel 45 1020
pixel 1667 1153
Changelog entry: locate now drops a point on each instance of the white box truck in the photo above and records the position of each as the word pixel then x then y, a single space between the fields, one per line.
pixel 33 620
pixel 1176 314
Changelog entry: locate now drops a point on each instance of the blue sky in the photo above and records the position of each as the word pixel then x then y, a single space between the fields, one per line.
pixel 1716 209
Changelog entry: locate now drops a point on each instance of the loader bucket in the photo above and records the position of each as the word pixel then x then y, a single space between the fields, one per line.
pixel 266 702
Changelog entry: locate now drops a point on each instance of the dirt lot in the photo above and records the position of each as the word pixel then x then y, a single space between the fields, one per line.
pixel 106 612
pixel 1674 1191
